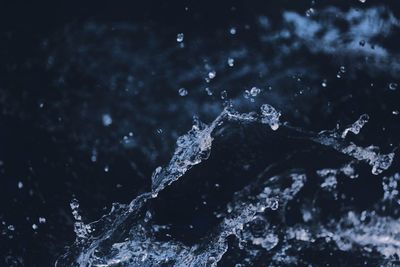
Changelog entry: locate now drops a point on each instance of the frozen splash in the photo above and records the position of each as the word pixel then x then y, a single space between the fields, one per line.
pixel 255 217
pixel 283 210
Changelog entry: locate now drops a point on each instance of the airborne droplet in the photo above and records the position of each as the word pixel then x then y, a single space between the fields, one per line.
pixel 393 86
pixel 183 92
pixel 107 120
pixel 179 37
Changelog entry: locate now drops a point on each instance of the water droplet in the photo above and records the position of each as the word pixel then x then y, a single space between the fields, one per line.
pixel 246 94
pixel 232 30
pixel 310 12
pixel 42 220
pixel 342 69
pixel 34 227
pixel 224 94
pixel 273 203
pixel 255 91
pixel 107 120
pixel 324 84
pixel 179 37
pixel 270 116
pixel 20 185
pixel 106 168
pixel 395 112
pixel 231 62
pixel 183 92
pixel 212 74
pixel 11 227
pixel 209 92
pixel 93 157
pixel 393 86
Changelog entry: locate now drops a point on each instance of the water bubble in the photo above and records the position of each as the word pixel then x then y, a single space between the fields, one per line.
pixel 212 74
pixel 106 168
pixel 310 12
pixel 269 115
pixel 209 92
pixel 232 30
pixel 224 94
pixel 183 92
pixel 255 91
pixel 11 227
pixel 107 120
pixel 246 94
pixel 342 69
pixel 93 157
pixel 231 62
pixel 363 1
pixel 395 112
pixel 34 227
pixel 20 185
pixel 179 37
pixel 393 86
pixel 273 203
pixel 42 220
pixel 324 84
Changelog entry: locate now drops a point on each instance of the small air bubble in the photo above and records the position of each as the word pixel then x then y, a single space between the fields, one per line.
pixel 34 227
pixel 324 84
pixel 232 30
pixel 20 185
pixel 106 168
pixel 42 220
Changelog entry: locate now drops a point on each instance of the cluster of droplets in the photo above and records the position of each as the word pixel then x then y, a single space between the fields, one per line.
pixel 252 93
pixel 270 116
pixel 81 230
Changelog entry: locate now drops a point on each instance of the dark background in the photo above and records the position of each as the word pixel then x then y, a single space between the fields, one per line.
pixel 50 164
